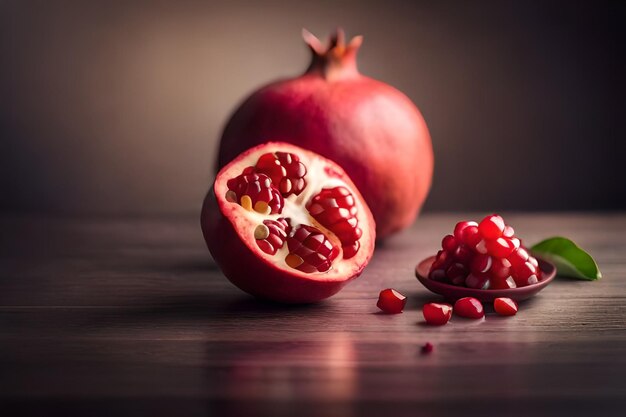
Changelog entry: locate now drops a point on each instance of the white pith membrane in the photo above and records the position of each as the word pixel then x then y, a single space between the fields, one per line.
pixel 320 174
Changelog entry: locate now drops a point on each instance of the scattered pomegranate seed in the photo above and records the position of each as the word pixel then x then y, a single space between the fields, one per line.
pixel 427 348
pixel 469 307
pixel 508 231
pixel 391 301
pixel 437 314
pixel 505 306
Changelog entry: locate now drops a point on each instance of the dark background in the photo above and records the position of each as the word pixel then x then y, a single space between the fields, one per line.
pixel 117 107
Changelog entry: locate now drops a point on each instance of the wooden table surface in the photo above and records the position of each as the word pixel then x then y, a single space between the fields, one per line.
pixel 129 316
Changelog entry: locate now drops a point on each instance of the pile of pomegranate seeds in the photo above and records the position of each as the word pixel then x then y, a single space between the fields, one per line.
pixel 484 255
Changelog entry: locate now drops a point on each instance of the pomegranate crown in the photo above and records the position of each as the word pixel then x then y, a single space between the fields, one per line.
pixel 337 60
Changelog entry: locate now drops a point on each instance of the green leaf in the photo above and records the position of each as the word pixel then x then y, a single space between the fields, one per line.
pixel 569 258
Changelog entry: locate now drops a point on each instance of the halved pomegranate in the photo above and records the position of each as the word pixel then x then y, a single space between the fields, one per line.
pixel 287 224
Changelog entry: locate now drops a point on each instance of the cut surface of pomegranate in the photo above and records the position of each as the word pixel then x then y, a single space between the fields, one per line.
pixel 286 224
pixel 485 255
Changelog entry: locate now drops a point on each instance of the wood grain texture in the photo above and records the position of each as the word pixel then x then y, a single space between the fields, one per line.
pixel 129 316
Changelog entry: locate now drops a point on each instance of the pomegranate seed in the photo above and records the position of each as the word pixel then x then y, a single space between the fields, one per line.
pixel 500 268
pixel 479 282
pixel 491 227
pixel 471 236
pixel 457 273
pixel 533 261
pixel 529 266
pixel 427 348
pixel 525 274
pixel 285 170
pixel 502 283
pixel 463 254
pixel 442 261
pixel 271 235
pixel 349 250
pixel 460 227
pixel 500 247
pixel 310 250
pixel 254 192
pixel 391 301
pixel 335 209
pixel 505 306
pixel 523 282
pixel 459 281
pixel 481 247
pixel 449 243
pixel 437 313
pixel 481 264
pixel 519 257
pixel 508 231
pixel 469 307
pixel 437 275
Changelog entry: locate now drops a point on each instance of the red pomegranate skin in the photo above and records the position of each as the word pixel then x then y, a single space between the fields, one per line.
pixel 373 131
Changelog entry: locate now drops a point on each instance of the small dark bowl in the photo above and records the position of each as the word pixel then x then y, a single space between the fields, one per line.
pixel 454 292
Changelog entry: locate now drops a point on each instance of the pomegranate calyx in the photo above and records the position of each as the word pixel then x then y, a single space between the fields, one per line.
pixel 338 60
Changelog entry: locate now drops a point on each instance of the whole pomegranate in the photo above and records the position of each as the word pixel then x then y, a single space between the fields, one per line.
pixel 286 224
pixel 369 128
